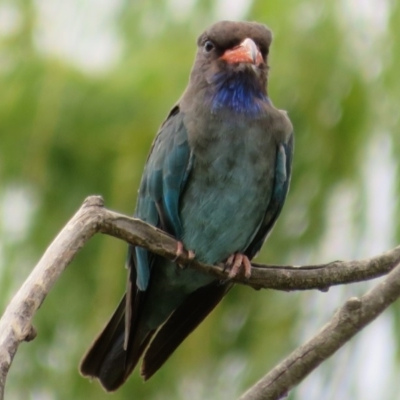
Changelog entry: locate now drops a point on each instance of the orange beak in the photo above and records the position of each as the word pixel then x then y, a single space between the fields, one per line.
pixel 246 52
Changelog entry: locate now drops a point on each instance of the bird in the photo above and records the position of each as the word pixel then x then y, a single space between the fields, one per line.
pixel 216 178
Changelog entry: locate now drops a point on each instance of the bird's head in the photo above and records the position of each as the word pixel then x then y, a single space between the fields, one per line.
pixel 231 63
pixel 234 45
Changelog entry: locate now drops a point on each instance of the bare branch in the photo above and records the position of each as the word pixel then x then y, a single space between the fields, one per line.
pixel 278 277
pixel 350 319
pixel 16 322
pixel 92 217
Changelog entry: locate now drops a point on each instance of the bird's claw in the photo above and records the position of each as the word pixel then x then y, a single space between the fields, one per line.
pixel 235 262
pixel 191 254
pixel 180 250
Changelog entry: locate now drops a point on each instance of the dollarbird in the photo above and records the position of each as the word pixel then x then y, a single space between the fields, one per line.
pixel 216 179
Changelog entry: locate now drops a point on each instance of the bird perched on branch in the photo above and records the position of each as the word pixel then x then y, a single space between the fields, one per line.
pixel 216 178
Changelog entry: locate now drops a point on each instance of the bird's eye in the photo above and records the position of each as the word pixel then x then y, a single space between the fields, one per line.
pixel 208 46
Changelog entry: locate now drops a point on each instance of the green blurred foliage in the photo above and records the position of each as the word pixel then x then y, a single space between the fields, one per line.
pixel 66 134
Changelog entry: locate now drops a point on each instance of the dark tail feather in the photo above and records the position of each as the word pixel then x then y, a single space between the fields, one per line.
pixel 107 359
pixel 94 357
pixel 180 324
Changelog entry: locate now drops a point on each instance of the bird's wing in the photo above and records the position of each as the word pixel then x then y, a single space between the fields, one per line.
pixel 165 175
pixel 283 166
pixel 117 349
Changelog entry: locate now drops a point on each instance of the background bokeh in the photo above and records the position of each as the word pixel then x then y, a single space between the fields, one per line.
pixel 84 85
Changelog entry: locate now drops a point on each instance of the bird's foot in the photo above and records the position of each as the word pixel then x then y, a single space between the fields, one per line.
pixel 180 250
pixel 235 262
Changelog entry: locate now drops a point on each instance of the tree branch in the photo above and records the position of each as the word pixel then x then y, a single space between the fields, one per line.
pixel 16 322
pixel 279 277
pixel 350 319
pixel 92 217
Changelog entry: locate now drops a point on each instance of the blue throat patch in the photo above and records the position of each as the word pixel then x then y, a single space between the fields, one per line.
pixel 238 92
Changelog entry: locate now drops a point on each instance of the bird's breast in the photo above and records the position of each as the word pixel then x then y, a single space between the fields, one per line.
pixel 228 190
